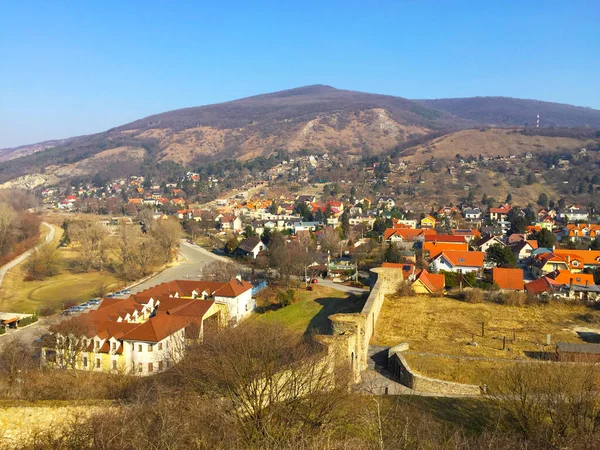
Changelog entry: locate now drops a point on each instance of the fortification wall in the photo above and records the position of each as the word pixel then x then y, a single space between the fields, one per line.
pixel 406 376
pixel 356 330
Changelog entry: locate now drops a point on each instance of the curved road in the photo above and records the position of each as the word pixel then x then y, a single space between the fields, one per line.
pixel 195 258
pixel 23 256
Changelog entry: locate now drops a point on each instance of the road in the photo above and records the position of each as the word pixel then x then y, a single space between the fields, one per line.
pixel 342 287
pixel 195 258
pixel 23 256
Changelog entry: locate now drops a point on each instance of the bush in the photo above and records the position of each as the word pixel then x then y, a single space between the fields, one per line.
pixel 405 290
pixel 45 262
pixel 511 298
pixel 28 320
pixel 286 298
pixel 473 296
pixel 2 330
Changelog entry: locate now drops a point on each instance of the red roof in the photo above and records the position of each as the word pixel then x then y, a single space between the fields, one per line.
pixel 432 281
pixel 448 238
pixel 506 278
pixel 463 259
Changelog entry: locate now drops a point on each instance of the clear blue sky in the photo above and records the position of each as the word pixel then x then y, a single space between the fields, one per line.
pixel 70 68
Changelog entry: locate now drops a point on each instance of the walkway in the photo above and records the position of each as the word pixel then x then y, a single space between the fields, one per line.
pixel 23 256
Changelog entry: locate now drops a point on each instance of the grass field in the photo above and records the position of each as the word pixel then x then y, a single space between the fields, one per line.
pixel 312 308
pixel 49 295
pixel 445 326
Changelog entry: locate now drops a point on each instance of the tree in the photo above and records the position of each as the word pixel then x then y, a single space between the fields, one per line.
pixel 92 239
pixel 288 259
pixel 231 244
pixel 509 198
pixel 7 218
pixel 220 271
pixel 44 262
pixel 330 241
pixel 500 256
pixel 136 254
pixel 543 200
pixel 166 234
pixel 530 179
pixel 545 238
pixel 68 339
pixel 15 359
pixel 393 254
pixel 270 378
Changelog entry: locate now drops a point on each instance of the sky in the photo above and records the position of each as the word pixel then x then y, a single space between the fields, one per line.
pixel 80 67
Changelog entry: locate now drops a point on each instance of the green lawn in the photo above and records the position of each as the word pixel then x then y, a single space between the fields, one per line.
pixel 26 296
pixel 312 309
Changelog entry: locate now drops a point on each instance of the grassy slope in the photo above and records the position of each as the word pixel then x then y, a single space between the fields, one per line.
pixel 312 309
pixel 445 326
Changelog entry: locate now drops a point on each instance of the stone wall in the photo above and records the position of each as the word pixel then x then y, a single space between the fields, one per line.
pixel 354 331
pixel 398 366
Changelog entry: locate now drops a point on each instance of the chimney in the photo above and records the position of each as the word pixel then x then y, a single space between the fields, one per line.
pixel 239 278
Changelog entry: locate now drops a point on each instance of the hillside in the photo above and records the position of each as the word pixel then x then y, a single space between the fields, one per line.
pixel 493 142
pixel 505 111
pixel 313 118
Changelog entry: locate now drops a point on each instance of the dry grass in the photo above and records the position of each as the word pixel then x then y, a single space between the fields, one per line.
pixel 446 326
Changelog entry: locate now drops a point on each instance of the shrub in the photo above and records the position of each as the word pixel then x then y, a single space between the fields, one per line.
pixel 28 320
pixel 2 330
pixel 511 298
pixel 405 290
pixel 286 298
pixel 473 296
pixel 45 262
pixel 590 317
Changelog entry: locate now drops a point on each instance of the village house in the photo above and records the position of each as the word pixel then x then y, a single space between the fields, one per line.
pixel 230 222
pixel 508 279
pixel 499 214
pixel 428 222
pixel 472 214
pixel 458 261
pixel 522 249
pixel 250 247
pixel 486 242
pixel 574 213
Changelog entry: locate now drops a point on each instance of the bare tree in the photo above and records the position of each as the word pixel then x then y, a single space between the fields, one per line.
pixel 44 262
pixel 289 259
pixel 166 234
pixel 276 384
pixel 330 241
pixel 220 271
pixel 7 218
pixel 93 243
pixel 551 404
pixel 15 359
pixel 68 340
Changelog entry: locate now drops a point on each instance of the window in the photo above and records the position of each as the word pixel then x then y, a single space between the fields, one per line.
pixel 139 347
pixel 150 348
pixel 114 346
pixel 160 365
pixel 140 367
pixel 114 364
pixel 85 361
pixel 98 363
pixel 160 345
pixel 96 345
pixel 150 368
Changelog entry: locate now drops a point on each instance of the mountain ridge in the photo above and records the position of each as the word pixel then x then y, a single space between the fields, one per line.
pixel 316 118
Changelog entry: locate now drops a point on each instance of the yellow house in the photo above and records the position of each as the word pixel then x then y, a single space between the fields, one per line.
pixel 428 222
pixel 428 283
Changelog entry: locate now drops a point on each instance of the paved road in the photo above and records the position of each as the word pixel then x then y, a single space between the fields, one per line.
pixel 195 258
pixel 23 256
pixel 342 287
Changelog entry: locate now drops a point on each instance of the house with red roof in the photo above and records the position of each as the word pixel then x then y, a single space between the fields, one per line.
pixel 458 261
pixel 508 279
pixel 148 331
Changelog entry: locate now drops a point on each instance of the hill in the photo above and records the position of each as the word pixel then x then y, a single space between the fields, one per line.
pixel 313 118
pixel 506 111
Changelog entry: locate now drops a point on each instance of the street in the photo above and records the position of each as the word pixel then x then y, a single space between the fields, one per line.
pixel 195 258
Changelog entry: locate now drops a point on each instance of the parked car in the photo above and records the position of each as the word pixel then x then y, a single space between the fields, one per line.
pixel 86 305
pixel 110 295
pixel 314 281
pixel 126 291
pixel 74 309
pixel 94 301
